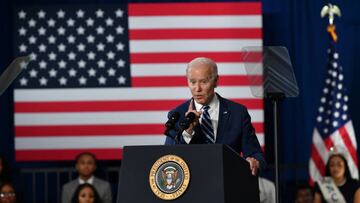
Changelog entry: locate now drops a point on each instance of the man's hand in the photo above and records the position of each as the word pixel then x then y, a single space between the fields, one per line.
pixel 196 120
pixel 254 165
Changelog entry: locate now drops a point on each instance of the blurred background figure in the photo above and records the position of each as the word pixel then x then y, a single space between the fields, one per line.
pixel 86 193
pixel 4 171
pixel 338 178
pixel 267 191
pixel 86 166
pixel 304 194
pixel 7 193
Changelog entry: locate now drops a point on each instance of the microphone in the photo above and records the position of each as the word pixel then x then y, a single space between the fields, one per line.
pixel 189 118
pixel 172 120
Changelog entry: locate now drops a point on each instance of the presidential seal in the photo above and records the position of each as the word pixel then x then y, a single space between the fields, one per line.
pixel 169 177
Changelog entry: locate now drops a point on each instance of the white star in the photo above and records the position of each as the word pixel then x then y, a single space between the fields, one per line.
pixel 81 47
pixel 80 30
pixel 62 64
pixel 345 107
pixel 100 30
pixel 72 72
pixel 336 55
pixel 109 22
pixel 42 64
pixel 335 123
pixel 337 105
pixel 42 48
pixel 82 80
pixel 99 13
pixel 102 80
pixel 346 98
pixel 43 81
pixel 336 114
pixel 81 64
pixel 111 72
pixel 32 23
pixel 91 55
pixel 71 56
pixel 80 13
pixel 52 73
pixel 60 14
pixel 119 30
pixel 341 77
pixel 344 117
pixel 42 31
pixel 61 31
pixel 90 39
pixel 62 81
pixel 22 31
pixel 22 14
pixel 110 39
pixel 120 47
pixel 121 80
pixel 32 39
pixel 338 95
pixel 61 47
pixel 319 119
pixel 51 22
pixel 100 47
pixel 110 55
pixel 23 81
pixel 340 86
pixel 121 63
pixel 70 22
pixel 321 109
pixel 51 39
pixel 89 22
pixel 326 130
pixel 119 13
pixel 101 63
pixel 52 56
pixel 71 39
pixel 33 73
pixel 41 14
pixel 92 72
pixel 23 48
pixel 33 56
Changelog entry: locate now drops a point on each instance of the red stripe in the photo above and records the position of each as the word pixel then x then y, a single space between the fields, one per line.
pixel 346 138
pixel 166 9
pixel 320 165
pixel 185 57
pixel 328 143
pixel 131 105
pixel 66 154
pixel 234 33
pixel 175 81
pixel 96 130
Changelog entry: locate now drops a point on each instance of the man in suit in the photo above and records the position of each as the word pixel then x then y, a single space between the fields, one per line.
pixel 217 120
pixel 86 166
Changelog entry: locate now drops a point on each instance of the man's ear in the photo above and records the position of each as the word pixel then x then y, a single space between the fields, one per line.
pixel 216 81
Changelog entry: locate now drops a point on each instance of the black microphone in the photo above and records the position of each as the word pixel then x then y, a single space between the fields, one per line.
pixel 189 118
pixel 172 120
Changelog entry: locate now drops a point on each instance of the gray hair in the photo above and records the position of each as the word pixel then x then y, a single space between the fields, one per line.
pixel 204 61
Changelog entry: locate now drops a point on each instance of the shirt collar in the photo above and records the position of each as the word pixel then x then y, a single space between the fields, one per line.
pixel 213 103
pixel 90 180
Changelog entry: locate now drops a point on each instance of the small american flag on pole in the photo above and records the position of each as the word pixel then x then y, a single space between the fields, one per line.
pixel 102 77
pixel 334 127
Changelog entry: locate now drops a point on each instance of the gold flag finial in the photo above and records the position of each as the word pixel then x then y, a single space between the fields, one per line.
pixel 331 10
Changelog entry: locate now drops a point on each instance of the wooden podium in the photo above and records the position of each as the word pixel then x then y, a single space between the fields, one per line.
pixel 217 175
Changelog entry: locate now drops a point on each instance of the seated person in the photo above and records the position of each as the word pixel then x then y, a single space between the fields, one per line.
pixel 7 193
pixel 304 194
pixel 86 193
pixel 86 166
pixel 267 191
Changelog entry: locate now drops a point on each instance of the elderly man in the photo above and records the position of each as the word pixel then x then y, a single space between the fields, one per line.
pixel 217 120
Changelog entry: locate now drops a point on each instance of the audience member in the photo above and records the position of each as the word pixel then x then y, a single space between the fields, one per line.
pixel 304 194
pixel 86 193
pixel 267 191
pixel 4 170
pixel 338 185
pixel 86 166
pixel 7 193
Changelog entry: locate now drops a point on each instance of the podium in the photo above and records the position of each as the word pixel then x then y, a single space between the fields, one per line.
pixel 217 175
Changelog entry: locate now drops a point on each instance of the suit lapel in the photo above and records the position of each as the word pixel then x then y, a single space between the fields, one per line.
pixel 224 115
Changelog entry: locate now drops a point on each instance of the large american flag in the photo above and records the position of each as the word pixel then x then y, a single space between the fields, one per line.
pixel 102 77
pixel 334 128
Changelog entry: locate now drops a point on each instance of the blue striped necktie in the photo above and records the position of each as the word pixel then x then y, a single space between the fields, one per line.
pixel 206 125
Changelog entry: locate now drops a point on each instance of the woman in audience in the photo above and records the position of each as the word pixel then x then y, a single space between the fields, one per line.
pixel 337 186
pixel 7 193
pixel 86 193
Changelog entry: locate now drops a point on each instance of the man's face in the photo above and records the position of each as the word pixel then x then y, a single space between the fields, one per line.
pixel 86 166
pixel 201 83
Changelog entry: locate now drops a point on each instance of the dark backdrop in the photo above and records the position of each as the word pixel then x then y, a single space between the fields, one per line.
pixel 294 24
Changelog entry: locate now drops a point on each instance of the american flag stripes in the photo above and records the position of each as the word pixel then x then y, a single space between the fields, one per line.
pixel 103 77
pixel 334 127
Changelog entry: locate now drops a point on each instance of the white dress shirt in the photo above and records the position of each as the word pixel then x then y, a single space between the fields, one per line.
pixel 214 116
pixel 90 180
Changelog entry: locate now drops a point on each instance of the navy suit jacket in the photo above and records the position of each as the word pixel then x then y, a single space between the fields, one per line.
pixel 234 129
